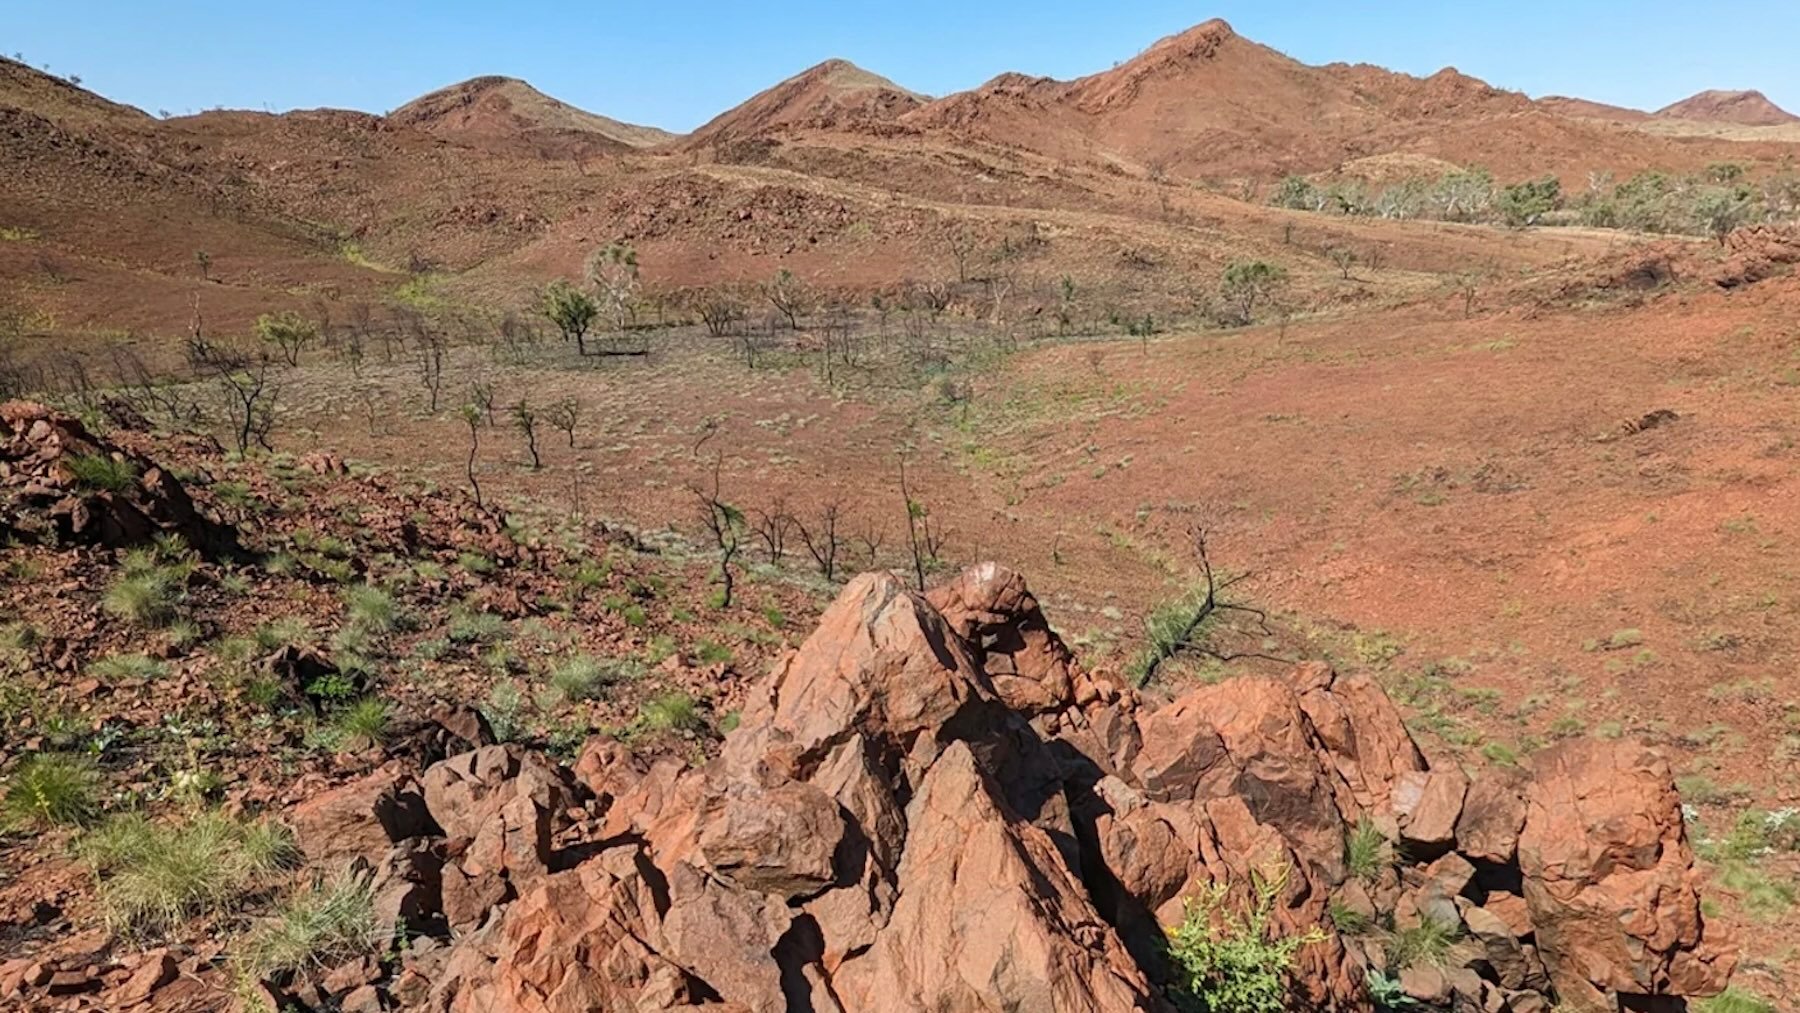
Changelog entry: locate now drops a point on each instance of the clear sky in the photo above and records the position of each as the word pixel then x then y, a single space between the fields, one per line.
pixel 676 63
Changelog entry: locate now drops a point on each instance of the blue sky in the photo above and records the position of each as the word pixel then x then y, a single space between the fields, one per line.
pixel 675 63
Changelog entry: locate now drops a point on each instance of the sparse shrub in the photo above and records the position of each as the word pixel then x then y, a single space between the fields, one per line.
pixel 370 610
pixel 584 677
pixel 1427 943
pixel 476 563
pixel 128 666
pixel 329 922
pixel 155 876
pixel 1367 851
pixel 671 712
pixel 101 472
pixel 1231 963
pixel 146 593
pixel 52 789
pixel 362 724
pixel 1248 284
pixel 1734 1000
pixel 504 709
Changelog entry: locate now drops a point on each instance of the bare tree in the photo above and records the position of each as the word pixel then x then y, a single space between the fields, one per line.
pixel 1180 627
pixel 962 247
pixel 471 416
pixel 1344 257
pixel 430 350
pixel 525 421
pixel 919 535
pixel 789 296
pixel 821 537
pixel 484 394
pixel 723 522
pixel 721 308
pixel 244 379
pixel 772 527
pixel 564 415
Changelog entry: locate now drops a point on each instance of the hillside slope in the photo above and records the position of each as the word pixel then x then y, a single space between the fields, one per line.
pixel 836 94
pixel 506 114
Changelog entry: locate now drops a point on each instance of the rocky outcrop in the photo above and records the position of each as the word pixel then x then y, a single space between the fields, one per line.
pixel 931 806
pixel 59 483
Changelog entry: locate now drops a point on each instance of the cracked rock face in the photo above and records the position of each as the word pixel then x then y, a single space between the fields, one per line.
pixel 930 806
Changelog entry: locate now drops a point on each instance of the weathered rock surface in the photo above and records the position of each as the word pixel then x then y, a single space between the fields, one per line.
pixel 931 806
pixel 43 498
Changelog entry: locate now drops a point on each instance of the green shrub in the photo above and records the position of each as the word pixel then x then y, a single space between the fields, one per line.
pixel 153 877
pixel 1231 963
pixel 49 789
pixel 504 709
pixel 326 924
pixel 101 472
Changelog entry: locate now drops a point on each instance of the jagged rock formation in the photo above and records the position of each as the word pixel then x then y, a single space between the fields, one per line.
pixel 45 497
pixel 931 806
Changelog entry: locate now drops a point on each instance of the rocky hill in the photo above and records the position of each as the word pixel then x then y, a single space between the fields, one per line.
pixel 507 114
pixel 835 95
pixel 1745 108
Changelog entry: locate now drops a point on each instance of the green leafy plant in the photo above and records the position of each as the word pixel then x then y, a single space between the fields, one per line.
pixel 1234 963
pixel 49 789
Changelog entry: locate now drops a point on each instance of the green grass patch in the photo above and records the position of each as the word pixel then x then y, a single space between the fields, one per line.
pixel 155 876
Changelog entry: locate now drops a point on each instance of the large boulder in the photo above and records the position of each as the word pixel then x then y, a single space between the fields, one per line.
pixel 930 805
pixel 1610 880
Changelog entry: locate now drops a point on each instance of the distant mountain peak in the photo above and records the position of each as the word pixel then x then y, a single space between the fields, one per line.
pixel 834 94
pixel 505 112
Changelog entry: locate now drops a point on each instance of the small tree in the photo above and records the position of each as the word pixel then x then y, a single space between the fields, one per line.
pixel 472 417
pixel 563 416
pixel 287 331
pixel 570 310
pixel 720 309
pixel 204 261
pixel 1249 283
pixel 525 421
pixel 613 272
pixel 1344 257
pixel 1522 204
pixel 1065 305
pixel 1722 209
pixel 789 296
